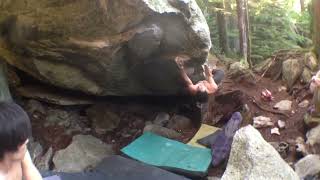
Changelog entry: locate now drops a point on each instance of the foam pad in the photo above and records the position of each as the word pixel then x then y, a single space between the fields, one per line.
pixel 207 141
pixel 55 177
pixel 169 154
pixel 120 168
pixel 203 131
pixel 117 168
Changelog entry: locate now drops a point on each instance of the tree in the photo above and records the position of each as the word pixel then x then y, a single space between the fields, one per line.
pixel 233 39
pixel 316 25
pixel 244 31
pixel 302 5
pixel 222 28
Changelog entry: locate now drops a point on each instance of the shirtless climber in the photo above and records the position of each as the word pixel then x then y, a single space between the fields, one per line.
pixel 167 76
pixel 206 87
pixel 15 129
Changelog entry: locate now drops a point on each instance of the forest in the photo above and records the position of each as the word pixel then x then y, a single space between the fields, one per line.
pixel 272 25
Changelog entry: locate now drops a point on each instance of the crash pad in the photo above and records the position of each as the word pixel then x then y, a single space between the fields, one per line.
pixel 169 154
pixel 55 177
pixel 120 168
pixel 116 168
pixel 204 131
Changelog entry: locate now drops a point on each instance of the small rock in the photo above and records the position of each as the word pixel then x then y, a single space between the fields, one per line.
pixel 67 119
pixel 138 123
pixel 301 146
pixel 284 105
pixel 33 106
pixel 281 147
pixel 43 164
pixel 253 158
pixel 282 88
pixel 281 124
pixel 238 71
pixel 162 119
pixel 261 122
pixel 304 104
pixel 178 122
pixel 103 120
pixel 308 166
pixel 275 131
pixel 125 135
pixel 313 136
pixel 311 121
pixel 148 123
pixel 162 131
pixel 35 149
pixel 84 152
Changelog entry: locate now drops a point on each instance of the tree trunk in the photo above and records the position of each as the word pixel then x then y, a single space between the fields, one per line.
pixel 247 24
pixel 222 29
pixel 302 5
pixel 231 26
pixel 316 25
pixel 243 25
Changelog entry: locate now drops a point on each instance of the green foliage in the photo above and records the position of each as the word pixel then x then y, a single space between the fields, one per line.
pixel 274 25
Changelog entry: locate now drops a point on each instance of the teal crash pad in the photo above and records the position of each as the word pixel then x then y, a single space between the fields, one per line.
pixel 169 154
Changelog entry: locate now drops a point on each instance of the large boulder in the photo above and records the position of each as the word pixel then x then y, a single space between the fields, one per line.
pixel 308 166
pixel 253 158
pixel 291 71
pixel 96 46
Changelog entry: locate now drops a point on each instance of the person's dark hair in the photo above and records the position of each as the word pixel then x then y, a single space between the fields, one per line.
pixel 15 127
pixel 202 97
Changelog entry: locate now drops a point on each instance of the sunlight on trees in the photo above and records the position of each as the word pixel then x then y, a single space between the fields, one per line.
pixel 274 25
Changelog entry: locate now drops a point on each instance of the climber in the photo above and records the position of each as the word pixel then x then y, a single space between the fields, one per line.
pixel 167 75
pixel 203 88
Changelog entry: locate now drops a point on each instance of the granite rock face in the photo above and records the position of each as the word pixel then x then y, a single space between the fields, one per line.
pixel 253 158
pixel 95 46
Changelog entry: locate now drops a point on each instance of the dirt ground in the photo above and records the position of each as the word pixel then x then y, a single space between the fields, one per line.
pixel 134 112
pixel 294 120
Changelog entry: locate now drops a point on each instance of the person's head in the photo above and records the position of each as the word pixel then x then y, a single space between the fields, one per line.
pixel 201 95
pixel 15 129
